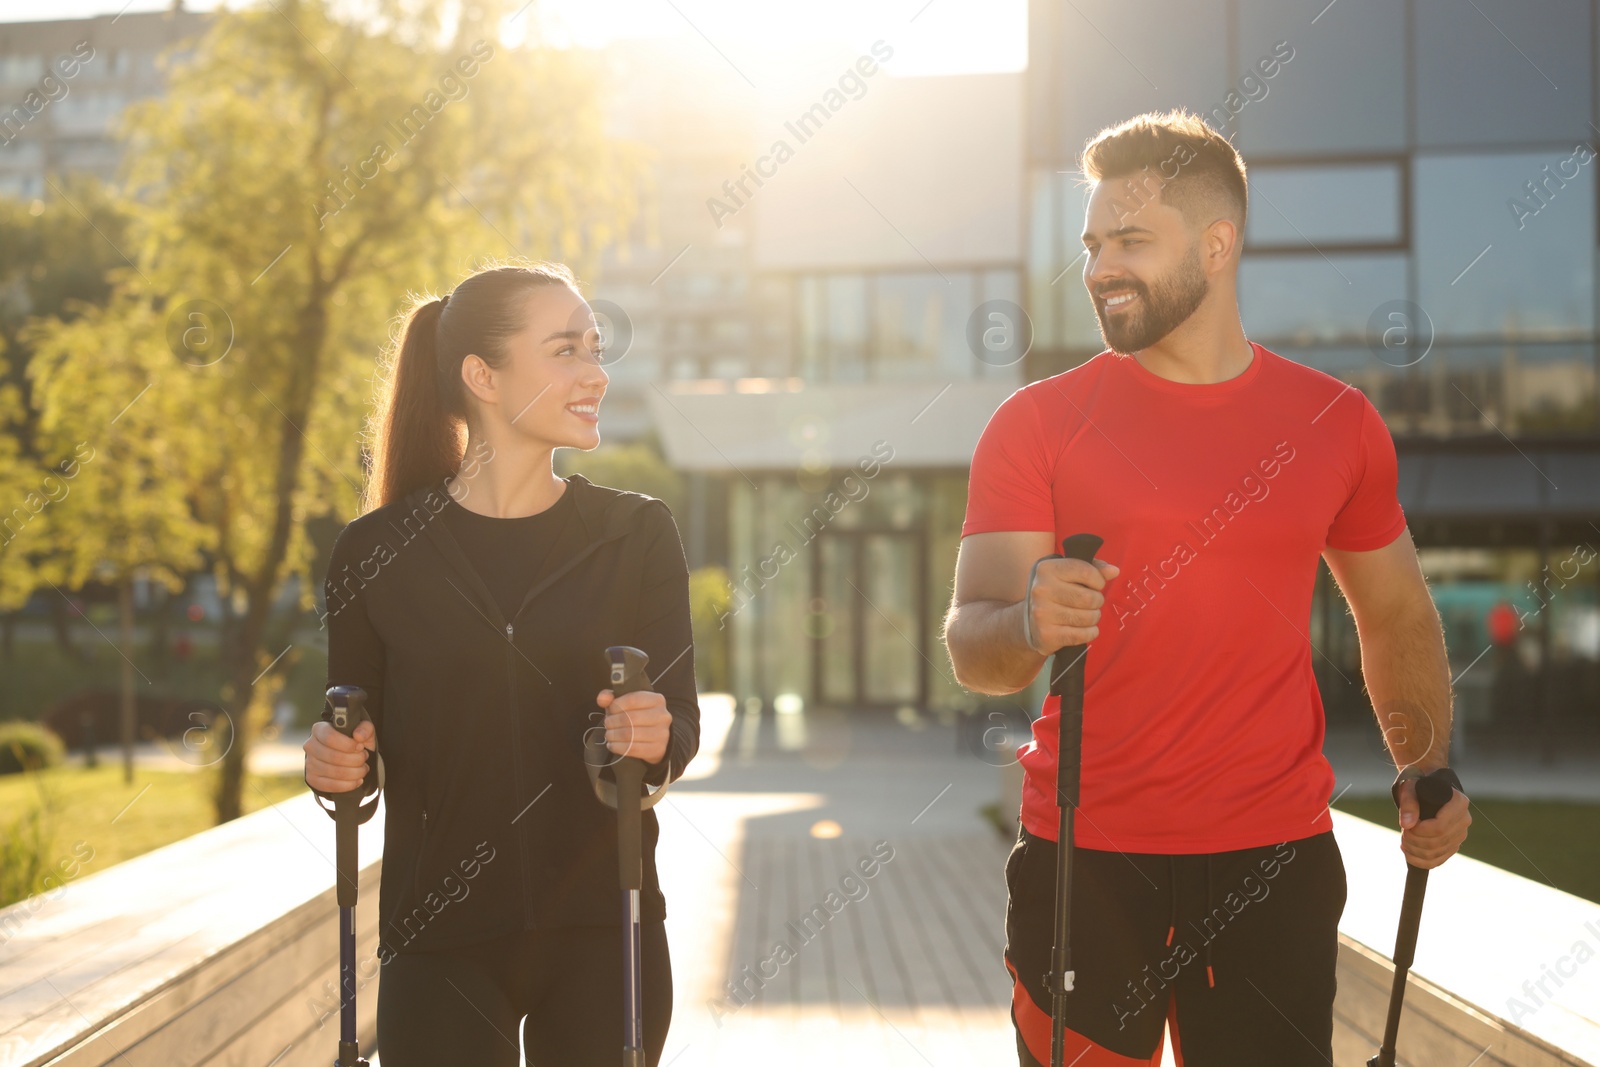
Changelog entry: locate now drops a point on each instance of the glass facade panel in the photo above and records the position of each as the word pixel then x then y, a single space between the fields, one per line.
pixel 1312 298
pixel 1058 303
pixel 919 323
pixel 1520 388
pixel 1315 103
pixel 845 331
pixel 1139 57
pixel 1497 71
pixel 1505 244
pixel 834 617
pixel 1323 206
pixel 889 326
pixel 891 658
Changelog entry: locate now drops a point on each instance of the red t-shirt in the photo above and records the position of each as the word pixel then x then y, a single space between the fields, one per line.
pixel 1202 724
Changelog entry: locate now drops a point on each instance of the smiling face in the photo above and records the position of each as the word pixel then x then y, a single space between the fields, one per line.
pixel 550 387
pixel 1144 271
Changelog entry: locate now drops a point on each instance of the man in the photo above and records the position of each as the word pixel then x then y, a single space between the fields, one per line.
pixel 1207 885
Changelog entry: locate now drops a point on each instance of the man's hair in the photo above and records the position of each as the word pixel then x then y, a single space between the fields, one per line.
pixel 1174 155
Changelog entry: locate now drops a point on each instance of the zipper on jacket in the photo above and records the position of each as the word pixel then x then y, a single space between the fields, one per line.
pixel 516 762
pixel 511 683
pixel 416 865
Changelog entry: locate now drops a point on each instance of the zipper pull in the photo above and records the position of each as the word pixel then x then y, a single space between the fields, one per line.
pixel 508 629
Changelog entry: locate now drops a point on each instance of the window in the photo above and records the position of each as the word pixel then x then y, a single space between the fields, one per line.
pixel 1119 59
pixel 882 326
pixel 1342 90
pixel 1501 70
pixel 1326 207
pixel 1505 244
pixel 1059 305
pixel 919 323
pixel 1317 298
pixel 21 68
pixel 833 326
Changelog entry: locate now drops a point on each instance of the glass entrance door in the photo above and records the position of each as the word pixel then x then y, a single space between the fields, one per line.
pixel 869 602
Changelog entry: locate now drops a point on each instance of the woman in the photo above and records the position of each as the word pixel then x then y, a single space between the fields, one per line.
pixel 473 602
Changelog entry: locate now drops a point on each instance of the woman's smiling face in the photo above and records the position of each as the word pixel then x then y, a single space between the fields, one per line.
pixel 552 382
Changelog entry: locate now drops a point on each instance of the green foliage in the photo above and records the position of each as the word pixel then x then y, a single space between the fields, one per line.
pixel 28 746
pixel 710 595
pixel 25 845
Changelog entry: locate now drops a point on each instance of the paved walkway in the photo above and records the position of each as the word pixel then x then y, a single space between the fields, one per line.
pixel 908 970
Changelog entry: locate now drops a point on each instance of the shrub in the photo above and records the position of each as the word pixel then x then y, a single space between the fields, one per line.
pixel 709 597
pixel 27 746
pixel 24 843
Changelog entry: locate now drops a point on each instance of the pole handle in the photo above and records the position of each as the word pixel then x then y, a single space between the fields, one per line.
pixel 1434 792
pixel 1066 684
pixel 627 667
pixel 347 709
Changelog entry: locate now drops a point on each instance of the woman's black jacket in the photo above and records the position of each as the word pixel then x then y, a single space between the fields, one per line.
pixel 492 825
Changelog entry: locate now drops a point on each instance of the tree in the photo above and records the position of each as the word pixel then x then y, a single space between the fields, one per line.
pixel 299 176
pixel 55 260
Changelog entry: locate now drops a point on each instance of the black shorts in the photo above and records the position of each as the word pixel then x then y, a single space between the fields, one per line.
pixel 1235 950
pixel 562 988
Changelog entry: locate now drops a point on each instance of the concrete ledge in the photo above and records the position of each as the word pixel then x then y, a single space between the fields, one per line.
pixel 219 949
pixel 1488 937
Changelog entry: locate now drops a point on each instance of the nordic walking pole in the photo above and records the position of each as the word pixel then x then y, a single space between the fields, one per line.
pixel 1433 792
pixel 1066 683
pixel 347 709
pixel 627 676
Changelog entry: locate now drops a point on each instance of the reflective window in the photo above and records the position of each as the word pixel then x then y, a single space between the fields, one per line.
pixel 845 326
pixel 1325 206
pixel 21 68
pixel 1505 244
pixel 1316 102
pixel 1315 298
pixel 1501 70
pixel 1517 387
pixel 1112 65
pixel 919 321
pixel 884 326
pixel 1058 304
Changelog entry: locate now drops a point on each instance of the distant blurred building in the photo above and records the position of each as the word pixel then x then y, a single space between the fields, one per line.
pixel 64 83
pixel 837 437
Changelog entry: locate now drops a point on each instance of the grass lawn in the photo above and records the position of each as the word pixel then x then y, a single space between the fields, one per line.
pixel 1554 842
pixel 116 821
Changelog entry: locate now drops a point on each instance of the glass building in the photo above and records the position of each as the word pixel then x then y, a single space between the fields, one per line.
pixel 1422 225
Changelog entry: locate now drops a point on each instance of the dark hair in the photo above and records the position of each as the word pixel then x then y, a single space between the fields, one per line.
pixel 1196 169
pixel 420 421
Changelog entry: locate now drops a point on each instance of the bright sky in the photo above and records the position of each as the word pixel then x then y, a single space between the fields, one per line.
pixel 751 36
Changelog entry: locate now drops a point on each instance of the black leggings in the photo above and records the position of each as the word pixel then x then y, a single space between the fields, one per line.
pixel 462 1006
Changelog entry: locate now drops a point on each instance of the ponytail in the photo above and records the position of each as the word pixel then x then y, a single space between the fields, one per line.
pixel 419 439
pixel 419 428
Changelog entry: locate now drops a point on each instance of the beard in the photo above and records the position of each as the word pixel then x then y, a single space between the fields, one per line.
pixel 1159 309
